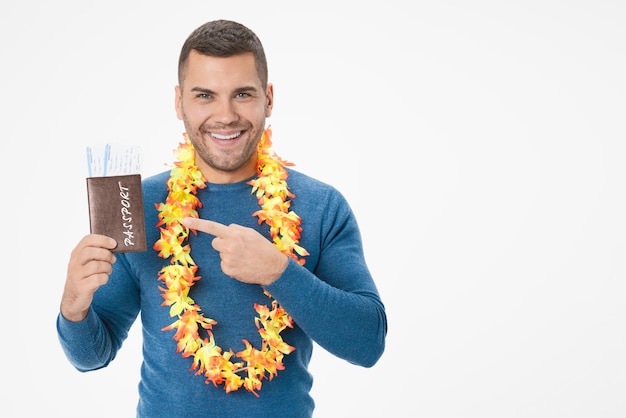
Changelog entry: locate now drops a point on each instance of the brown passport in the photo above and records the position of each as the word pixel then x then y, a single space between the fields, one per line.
pixel 116 210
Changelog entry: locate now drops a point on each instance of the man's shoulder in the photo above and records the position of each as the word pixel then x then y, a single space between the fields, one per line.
pixel 159 178
pixel 304 180
pixel 305 186
pixel 156 183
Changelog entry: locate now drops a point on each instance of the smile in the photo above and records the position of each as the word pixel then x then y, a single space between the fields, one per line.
pixel 224 137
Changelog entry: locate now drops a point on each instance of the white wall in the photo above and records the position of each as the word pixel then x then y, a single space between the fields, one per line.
pixel 481 146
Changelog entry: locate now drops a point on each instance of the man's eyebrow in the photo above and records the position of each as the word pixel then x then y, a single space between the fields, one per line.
pixel 243 89
pixel 202 90
pixel 246 89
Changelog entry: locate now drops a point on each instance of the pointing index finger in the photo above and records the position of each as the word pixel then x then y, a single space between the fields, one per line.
pixel 210 227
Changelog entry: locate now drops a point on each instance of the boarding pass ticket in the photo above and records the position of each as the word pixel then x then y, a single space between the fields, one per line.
pixel 113 160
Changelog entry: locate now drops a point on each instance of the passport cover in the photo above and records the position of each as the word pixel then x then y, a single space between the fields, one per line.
pixel 116 210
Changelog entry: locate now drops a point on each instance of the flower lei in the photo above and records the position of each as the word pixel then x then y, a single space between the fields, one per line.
pixel 271 190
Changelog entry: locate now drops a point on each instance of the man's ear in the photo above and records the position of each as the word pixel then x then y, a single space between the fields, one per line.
pixel 178 102
pixel 269 100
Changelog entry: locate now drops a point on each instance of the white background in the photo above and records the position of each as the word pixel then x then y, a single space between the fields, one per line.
pixel 480 144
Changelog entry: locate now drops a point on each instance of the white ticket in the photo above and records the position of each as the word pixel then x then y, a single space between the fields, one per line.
pixel 113 160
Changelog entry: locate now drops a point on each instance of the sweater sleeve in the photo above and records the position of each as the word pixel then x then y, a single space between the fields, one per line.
pixel 337 303
pixel 86 343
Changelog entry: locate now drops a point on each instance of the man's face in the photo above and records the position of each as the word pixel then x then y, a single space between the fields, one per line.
pixel 223 105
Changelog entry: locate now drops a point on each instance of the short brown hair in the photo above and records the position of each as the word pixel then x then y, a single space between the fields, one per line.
pixel 224 38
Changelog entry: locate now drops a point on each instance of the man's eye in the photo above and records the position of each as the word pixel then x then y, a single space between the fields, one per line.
pixel 204 96
pixel 243 95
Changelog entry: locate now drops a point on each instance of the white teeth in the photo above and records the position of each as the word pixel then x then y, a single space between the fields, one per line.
pixel 218 136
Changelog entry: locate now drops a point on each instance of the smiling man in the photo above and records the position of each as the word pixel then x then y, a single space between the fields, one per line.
pixel 252 260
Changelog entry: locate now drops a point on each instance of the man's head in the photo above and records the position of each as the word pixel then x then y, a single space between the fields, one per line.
pixel 223 98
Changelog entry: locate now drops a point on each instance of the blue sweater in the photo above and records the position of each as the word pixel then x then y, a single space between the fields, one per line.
pixel 332 299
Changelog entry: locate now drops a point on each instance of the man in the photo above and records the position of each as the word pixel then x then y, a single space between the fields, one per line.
pixel 252 261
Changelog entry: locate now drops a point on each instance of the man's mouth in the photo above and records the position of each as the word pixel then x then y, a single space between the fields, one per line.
pixel 225 137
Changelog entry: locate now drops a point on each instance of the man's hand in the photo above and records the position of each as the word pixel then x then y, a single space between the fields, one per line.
pixel 246 255
pixel 89 267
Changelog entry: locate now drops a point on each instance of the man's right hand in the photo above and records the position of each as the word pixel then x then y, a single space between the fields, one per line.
pixel 89 267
